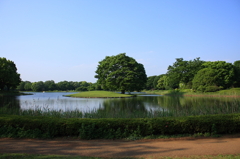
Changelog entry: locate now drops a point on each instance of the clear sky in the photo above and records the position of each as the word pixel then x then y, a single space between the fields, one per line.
pixel 65 39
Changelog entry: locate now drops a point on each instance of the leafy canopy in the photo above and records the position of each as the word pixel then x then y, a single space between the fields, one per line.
pixel 205 78
pixel 9 78
pixel 182 71
pixel 214 76
pixel 122 73
pixel 225 73
pixel 236 65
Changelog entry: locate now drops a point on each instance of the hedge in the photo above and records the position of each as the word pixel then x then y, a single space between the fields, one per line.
pixel 108 128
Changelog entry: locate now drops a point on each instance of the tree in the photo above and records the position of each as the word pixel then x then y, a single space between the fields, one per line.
pixel 21 86
pixel 205 79
pixel 150 82
pixel 225 73
pixel 161 82
pixel 193 67
pixel 236 65
pixel 50 85
pixel 75 85
pixel 183 72
pixel 28 86
pixel 38 86
pixel 175 72
pixel 216 75
pixel 155 81
pixel 9 78
pixel 63 85
pixel 122 73
pixel 84 86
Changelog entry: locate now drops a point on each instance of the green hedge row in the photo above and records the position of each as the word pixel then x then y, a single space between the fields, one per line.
pixel 48 127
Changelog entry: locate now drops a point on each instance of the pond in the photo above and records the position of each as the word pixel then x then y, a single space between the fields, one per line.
pixel 145 105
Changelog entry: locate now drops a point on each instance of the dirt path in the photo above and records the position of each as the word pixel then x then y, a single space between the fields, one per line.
pixel 109 148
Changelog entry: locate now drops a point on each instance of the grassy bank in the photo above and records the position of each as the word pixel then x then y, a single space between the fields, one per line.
pixel 233 92
pixel 98 94
pixel 12 93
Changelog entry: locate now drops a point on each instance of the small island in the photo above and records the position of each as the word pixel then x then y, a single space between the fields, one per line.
pixel 99 94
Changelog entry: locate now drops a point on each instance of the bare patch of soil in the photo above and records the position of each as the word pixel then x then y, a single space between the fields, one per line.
pixel 122 148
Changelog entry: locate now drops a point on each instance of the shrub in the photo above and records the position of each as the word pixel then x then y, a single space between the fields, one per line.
pixel 212 89
pixel 47 127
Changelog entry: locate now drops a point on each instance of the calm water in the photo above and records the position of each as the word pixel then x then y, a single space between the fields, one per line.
pixel 177 106
pixel 57 101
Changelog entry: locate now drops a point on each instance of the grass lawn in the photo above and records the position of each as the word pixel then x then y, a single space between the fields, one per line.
pixel 189 92
pixel 99 94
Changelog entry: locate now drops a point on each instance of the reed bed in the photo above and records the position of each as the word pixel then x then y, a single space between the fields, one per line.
pixel 170 110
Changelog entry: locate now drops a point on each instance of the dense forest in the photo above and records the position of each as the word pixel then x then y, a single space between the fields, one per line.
pixel 50 85
pixel 198 75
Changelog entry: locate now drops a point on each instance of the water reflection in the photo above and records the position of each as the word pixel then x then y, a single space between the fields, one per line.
pixel 9 102
pixel 141 106
pixel 182 106
pixel 57 101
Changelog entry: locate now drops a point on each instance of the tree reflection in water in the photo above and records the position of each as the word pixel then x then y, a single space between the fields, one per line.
pixel 9 104
pixel 136 107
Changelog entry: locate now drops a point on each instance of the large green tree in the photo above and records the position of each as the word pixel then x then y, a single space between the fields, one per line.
pixel 205 78
pixel 183 72
pixel 63 85
pixel 122 73
pixel 20 87
pixel 162 82
pixel 225 73
pixel 38 86
pixel 155 81
pixel 28 86
pixel 236 65
pixel 9 78
pixel 150 82
pixel 214 76
pixel 50 85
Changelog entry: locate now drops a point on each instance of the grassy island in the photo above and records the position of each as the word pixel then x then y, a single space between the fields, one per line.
pixel 99 94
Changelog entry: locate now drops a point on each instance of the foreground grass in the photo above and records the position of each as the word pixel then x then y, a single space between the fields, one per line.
pixel 189 92
pixel 28 156
pixel 99 94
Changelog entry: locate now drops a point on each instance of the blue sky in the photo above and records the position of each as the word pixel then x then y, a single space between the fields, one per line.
pixel 65 39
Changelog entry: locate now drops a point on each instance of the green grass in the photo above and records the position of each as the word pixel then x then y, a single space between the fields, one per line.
pixel 226 92
pixel 11 93
pixel 99 94
pixel 30 156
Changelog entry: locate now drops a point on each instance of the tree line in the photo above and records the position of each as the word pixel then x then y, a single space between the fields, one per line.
pixel 203 76
pixel 124 73
pixel 114 73
pixel 50 85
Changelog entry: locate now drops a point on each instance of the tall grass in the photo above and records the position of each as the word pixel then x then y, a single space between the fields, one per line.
pixel 182 92
pixel 171 110
pixel 171 106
